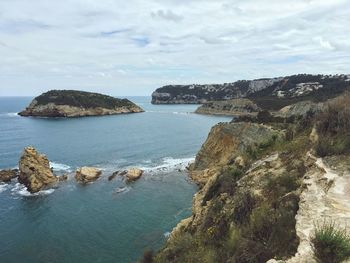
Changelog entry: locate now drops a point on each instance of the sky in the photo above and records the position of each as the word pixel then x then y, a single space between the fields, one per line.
pixel 132 47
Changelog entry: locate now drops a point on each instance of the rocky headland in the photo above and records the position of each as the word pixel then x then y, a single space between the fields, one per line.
pixel 269 93
pixel 266 186
pixel 234 107
pixel 72 103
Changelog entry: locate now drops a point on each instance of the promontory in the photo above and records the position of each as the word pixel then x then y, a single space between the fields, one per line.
pixel 73 103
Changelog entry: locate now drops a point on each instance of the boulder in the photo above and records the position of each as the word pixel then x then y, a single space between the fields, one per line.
pixel 133 174
pixel 35 172
pixel 7 175
pixel 111 177
pixel 87 174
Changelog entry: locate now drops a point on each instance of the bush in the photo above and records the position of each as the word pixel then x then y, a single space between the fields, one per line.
pixel 330 245
pixel 333 127
pixel 225 183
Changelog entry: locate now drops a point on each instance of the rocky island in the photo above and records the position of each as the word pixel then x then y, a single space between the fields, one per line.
pixel 72 103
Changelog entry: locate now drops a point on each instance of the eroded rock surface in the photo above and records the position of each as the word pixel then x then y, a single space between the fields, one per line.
pixel 35 172
pixel 87 174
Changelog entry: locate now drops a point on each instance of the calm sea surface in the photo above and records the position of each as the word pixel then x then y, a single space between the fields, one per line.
pixel 95 223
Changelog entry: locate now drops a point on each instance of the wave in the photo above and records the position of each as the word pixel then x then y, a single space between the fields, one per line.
pixel 170 164
pixel 60 167
pixel 9 114
pixel 172 112
pixel 20 189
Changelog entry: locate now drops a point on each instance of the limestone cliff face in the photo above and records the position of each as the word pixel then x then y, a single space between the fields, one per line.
pixel 226 143
pixel 270 92
pixel 35 172
pixel 230 107
pixel 245 210
pixel 70 103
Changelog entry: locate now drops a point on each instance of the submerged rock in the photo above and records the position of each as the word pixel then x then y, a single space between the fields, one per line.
pixel 8 175
pixel 35 172
pixel 87 174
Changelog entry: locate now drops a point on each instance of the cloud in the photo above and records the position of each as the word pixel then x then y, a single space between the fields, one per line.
pixel 133 47
pixel 167 15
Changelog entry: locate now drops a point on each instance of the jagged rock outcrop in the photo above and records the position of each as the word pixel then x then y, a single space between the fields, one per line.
pixel 300 109
pixel 87 174
pixel 133 174
pixel 35 172
pixel 225 143
pixel 271 94
pixel 71 103
pixel 7 175
pixel 229 107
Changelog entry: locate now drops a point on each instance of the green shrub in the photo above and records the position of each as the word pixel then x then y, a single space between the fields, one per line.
pixel 225 183
pixel 244 205
pixel 333 127
pixel 330 245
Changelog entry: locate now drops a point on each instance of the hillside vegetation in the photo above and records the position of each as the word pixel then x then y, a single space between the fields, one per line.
pixel 245 211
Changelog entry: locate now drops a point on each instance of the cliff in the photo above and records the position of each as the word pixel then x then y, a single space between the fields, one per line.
pixel 267 198
pixel 71 103
pixel 232 107
pixel 272 94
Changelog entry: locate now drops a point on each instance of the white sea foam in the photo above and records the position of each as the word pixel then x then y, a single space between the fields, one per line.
pixel 9 114
pixel 171 112
pixel 60 167
pixel 20 189
pixel 167 234
pixel 170 164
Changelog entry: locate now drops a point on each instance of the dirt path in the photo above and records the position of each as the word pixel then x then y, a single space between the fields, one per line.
pixel 326 197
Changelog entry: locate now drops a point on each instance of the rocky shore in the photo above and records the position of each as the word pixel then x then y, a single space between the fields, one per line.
pixel 36 173
pixel 233 107
pixel 264 186
pixel 71 103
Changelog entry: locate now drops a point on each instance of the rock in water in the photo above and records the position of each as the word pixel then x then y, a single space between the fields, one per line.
pixel 87 174
pixel 7 175
pixel 35 172
pixel 134 174
pixel 73 103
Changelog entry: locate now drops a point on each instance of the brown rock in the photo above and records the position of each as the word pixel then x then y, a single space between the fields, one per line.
pixel 7 175
pixel 87 174
pixel 35 172
pixel 134 174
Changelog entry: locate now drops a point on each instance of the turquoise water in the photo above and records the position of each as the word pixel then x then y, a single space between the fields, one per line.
pixel 94 223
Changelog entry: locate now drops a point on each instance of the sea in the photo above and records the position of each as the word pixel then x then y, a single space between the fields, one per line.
pixel 104 221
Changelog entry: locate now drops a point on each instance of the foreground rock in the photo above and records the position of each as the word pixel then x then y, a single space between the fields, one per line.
pixel 7 175
pixel 71 103
pixel 230 107
pixel 35 172
pixel 87 174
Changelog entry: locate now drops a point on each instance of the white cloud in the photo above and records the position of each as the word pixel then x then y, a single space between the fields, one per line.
pixel 133 47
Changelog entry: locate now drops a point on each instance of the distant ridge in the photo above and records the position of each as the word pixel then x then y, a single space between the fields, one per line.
pixel 267 92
